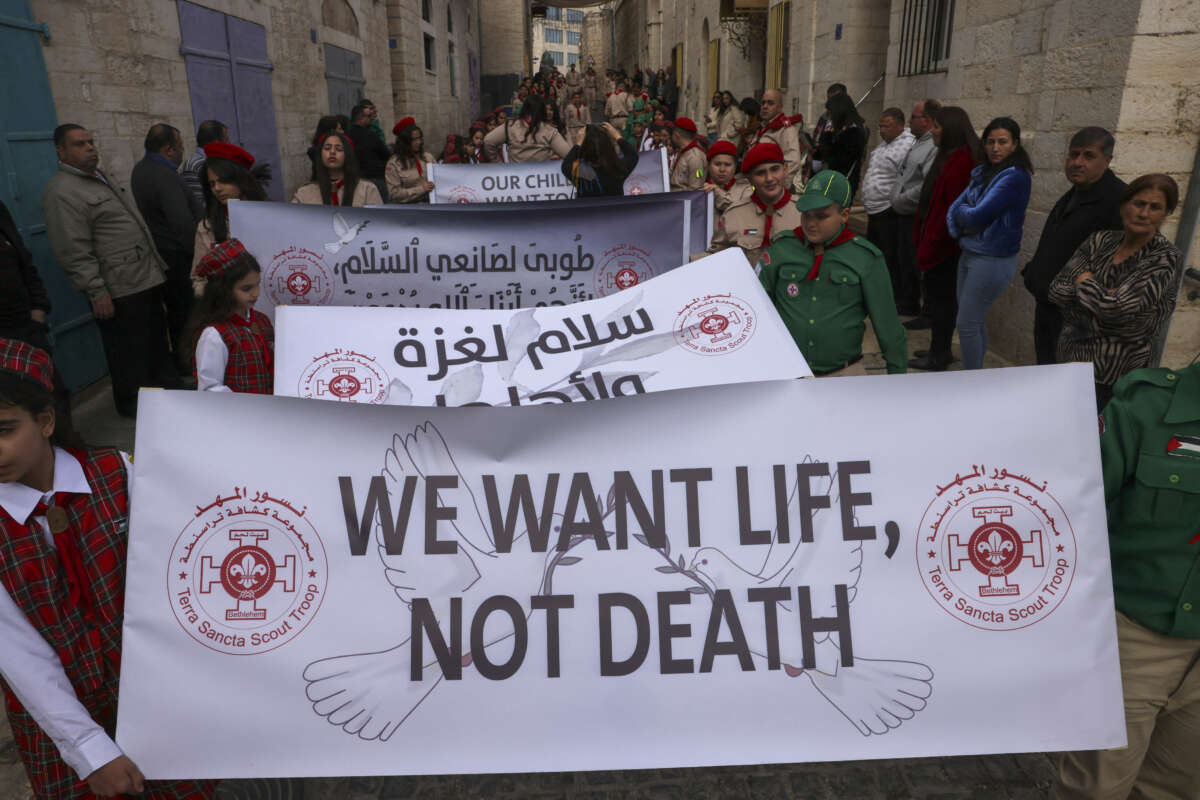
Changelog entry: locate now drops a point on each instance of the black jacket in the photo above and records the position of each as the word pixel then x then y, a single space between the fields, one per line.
pixel 370 150
pixel 166 204
pixel 21 288
pixel 591 182
pixel 1097 209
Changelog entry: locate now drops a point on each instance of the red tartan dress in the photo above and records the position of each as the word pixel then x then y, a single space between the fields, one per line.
pixel 251 365
pixel 79 617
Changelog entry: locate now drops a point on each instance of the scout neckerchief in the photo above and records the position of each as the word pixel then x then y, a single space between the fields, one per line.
pixel 65 541
pixel 819 249
pixel 787 198
pixel 692 144
pixel 727 186
pixel 337 188
pixel 778 122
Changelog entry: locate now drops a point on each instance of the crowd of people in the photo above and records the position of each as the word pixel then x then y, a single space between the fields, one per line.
pixel 173 295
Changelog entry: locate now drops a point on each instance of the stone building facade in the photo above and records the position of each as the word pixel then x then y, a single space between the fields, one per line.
pixel 119 66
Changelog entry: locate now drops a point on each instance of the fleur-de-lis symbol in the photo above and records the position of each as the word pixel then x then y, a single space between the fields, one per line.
pixel 995 549
pixel 248 572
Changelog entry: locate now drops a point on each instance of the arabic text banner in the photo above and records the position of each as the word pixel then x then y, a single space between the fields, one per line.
pixel 533 180
pixel 708 322
pixel 763 572
pixel 447 257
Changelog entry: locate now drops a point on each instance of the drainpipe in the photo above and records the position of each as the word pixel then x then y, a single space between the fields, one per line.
pixel 1184 235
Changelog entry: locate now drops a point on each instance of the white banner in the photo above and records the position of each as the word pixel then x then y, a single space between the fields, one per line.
pixel 705 323
pixel 769 572
pixel 533 180
pixel 487 256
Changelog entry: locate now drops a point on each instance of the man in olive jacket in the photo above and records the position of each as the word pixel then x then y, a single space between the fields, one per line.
pixel 101 242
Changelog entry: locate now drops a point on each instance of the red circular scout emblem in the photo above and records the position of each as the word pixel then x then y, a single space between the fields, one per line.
pixel 345 376
pixel 248 572
pixel 793 290
pixel 463 194
pixel 996 550
pixel 715 324
pixel 299 277
pixel 620 268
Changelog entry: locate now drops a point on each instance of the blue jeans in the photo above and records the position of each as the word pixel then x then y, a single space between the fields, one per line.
pixel 981 281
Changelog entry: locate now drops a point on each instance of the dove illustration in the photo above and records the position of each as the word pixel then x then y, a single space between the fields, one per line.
pixel 370 695
pixel 345 233
pixel 874 695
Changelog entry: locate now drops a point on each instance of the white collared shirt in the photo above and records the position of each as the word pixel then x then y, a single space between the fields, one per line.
pixel 29 665
pixel 212 357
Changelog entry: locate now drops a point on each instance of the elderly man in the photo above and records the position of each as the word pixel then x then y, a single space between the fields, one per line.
pixel 689 165
pixel 104 246
pixel 905 197
pixel 1091 204
pixel 775 127
pixel 886 228
pixel 167 207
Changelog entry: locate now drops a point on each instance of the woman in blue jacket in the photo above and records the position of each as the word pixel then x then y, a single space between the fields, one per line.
pixel 987 219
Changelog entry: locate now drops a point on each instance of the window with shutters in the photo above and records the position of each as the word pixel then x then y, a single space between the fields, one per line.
pixel 925 30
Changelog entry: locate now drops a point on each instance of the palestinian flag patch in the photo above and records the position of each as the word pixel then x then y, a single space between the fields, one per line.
pixel 1184 446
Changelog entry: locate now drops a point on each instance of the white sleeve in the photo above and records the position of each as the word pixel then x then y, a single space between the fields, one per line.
pixel 212 356
pixel 35 674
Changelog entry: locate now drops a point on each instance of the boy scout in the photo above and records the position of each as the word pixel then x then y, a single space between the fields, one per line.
pixel 689 165
pixel 767 215
pixel 618 106
pixel 727 187
pixel 824 281
pixel 1150 455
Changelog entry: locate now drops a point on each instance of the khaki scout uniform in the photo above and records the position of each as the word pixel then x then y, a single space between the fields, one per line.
pixel 617 108
pixel 745 226
pixel 366 193
pixel 728 123
pixel 787 136
pixel 545 145
pixel 577 117
pixel 407 185
pixel 574 81
pixel 737 192
pixel 1150 458
pixel 689 168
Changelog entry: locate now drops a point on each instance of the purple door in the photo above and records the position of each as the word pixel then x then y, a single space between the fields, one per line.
pixel 229 79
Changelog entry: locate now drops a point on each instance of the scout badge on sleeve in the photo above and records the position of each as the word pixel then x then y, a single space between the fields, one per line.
pixel 1184 446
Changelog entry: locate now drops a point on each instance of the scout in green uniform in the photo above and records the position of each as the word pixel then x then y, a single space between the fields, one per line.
pixel 824 281
pixel 1150 453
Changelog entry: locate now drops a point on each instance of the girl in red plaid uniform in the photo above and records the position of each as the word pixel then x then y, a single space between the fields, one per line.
pixel 233 343
pixel 63 526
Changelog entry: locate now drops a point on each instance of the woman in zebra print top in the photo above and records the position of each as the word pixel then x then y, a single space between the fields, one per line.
pixel 1118 290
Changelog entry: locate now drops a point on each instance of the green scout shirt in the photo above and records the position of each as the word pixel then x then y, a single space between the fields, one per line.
pixel 1150 451
pixel 825 315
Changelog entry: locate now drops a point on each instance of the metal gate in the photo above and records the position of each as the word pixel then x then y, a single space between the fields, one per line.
pixel 229 79
pixel 27 162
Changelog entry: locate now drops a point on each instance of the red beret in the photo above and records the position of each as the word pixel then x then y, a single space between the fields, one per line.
pixel 230 152
pixel 761 153
pixel 722 147
pixel 26 361
pixel 402 124
pixel 220 256
pixel 683 123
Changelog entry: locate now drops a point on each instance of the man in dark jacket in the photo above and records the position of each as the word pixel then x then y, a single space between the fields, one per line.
pixel 24 303
pixel 171 214
pixel 1091 204
pixel 372 153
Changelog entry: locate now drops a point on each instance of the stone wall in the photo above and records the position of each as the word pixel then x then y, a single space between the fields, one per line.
pixel 505 45
pixel 115 67
pixel 596 40
pixel 440 105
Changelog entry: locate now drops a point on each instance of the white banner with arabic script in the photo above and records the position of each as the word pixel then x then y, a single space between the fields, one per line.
pixel 708 322
pixel 761 572
pixel 457 257
pixel 533 180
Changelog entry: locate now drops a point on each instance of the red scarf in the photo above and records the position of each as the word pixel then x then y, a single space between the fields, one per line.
pixel 333 196
pixel 727 186
pixel 693 143
pixel 778 122
pixel 843 237
pixel 787 197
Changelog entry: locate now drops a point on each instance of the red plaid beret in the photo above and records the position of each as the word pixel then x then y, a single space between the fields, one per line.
pixel 26 361
pixel 761 153
pixel 402 124
pixel 229 151
pixel 722 147
pixel 684 123
pixel 219 257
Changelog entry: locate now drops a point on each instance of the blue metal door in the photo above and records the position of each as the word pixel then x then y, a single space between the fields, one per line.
pixel 229 79
pixel 27 162
pixel 344 75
